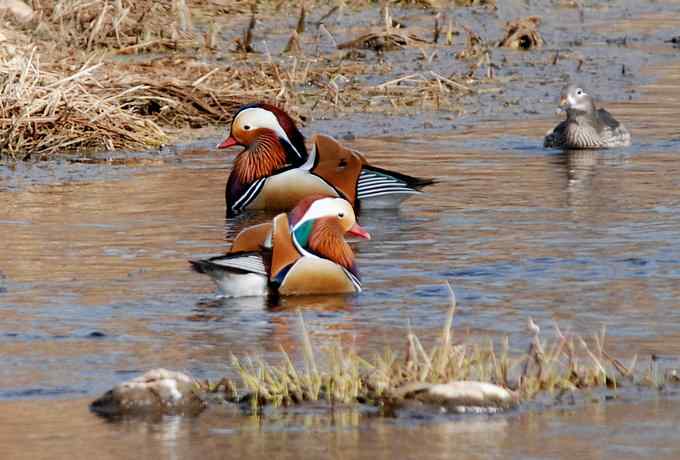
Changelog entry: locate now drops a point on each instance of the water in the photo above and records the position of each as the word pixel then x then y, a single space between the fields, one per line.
pixel 97 280
pixel 622 430
pixel 95 285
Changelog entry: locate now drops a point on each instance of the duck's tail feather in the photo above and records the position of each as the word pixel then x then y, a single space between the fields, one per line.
pixel 240 262
pixel 375 181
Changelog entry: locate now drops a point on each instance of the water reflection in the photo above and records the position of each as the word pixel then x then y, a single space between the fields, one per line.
pixel 619 429
pixel 584 191
pixel 584 238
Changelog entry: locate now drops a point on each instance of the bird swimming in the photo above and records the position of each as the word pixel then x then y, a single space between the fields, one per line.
pixel 301 252
pixel 586 127
pixel 274 171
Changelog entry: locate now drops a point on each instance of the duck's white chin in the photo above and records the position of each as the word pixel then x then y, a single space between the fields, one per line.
pixel 241 284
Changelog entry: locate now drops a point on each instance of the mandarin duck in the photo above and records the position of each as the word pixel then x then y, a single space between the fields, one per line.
pixel 586 127
pixel 275 171
pixel 302 252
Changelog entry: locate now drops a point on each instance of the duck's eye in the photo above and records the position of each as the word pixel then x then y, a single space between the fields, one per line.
pixel 341 215
pixel 579 92
pixel 246 127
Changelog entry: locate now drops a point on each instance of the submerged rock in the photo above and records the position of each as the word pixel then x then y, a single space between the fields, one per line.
pixel 158 391
pixel 460 396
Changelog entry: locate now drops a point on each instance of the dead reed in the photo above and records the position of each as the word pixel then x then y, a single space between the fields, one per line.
pixel 43 111
pixel 337 375
pixel 66 87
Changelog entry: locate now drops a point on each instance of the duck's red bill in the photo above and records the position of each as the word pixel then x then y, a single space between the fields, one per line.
pixel 356 230
pixel 228 142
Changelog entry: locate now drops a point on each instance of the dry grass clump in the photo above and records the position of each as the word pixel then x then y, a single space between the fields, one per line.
pixel 42 110
pixel 491 4
pixel 184 91
pixel 46 109
pixel 423 88
pixel 562 364
pixel 120 24
pixel 388 38
pixel 522 34
pixel 89 97
pixel 382 41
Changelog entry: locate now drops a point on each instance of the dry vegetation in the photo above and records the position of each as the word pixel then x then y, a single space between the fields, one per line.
pixel 561 365
pixel 92 74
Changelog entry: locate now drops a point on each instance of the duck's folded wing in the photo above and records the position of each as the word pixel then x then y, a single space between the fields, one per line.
pixel 612 133
pixel 240 262
pixel 556 136
pixel 607 120
pixel 252 238
pixel 349 172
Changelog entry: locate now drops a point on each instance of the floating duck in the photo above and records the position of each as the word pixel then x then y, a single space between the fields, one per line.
pixel 275 172
pixel 303 252
pixel 586 127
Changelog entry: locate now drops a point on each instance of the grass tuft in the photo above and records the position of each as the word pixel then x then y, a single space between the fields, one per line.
pixel 563 363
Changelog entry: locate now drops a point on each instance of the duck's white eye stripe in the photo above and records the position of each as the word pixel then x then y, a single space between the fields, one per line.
pixel 325 207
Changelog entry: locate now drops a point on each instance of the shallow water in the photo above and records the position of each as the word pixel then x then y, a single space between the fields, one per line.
pixel 622 430
pixel 95 287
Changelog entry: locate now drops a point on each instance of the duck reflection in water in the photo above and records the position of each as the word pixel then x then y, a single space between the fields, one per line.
pixel 585 171
pixel 271 323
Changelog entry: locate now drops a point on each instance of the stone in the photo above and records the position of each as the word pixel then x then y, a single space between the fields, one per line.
pixel 21 11
pixel 460 396
pixel 157 392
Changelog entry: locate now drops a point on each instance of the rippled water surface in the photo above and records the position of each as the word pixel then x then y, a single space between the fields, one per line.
pixel 95 286
pixel 630 430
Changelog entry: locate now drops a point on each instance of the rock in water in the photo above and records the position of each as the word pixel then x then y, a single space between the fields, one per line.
pixel 460 396
pixel 157 392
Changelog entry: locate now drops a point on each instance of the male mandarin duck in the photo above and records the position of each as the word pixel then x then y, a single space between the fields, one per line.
pixel 586 127
pixel 302 252
pixel 275 171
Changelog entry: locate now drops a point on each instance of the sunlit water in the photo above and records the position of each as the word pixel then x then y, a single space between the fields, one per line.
pixel 621 430
pixel 95 287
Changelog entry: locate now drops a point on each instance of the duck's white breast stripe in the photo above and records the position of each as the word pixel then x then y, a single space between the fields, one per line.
pixel 249 195
pixel 355 281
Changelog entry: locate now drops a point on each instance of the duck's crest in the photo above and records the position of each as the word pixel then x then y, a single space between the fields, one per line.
pixel 286 122
pixel 299 211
